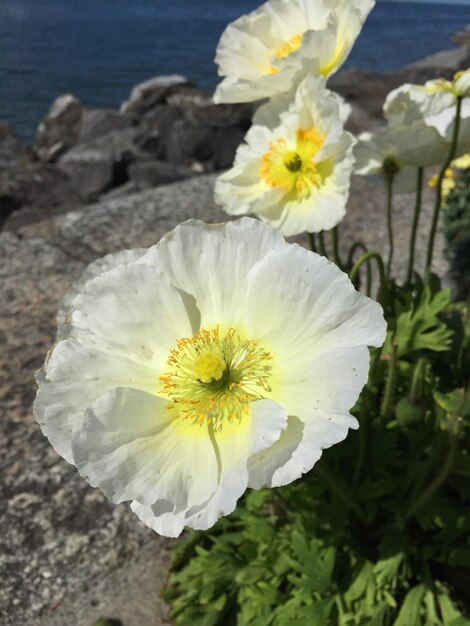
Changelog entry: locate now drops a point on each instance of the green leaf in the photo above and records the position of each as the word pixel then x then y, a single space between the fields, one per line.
pixel 410 610
pixel 419 328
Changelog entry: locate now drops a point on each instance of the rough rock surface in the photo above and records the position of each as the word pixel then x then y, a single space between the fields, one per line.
pixel 28 192
pixel 13 151
pixel 60 129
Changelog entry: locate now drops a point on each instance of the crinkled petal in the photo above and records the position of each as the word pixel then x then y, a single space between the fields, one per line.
pixel 296 298
pixel 134 446
pixel 319 433
pixel 236 445
pixel 132 311
pixel 210 262
pixel 108 262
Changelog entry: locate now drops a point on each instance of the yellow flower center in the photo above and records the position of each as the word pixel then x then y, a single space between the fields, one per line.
pixel 294 170
pixel 286 49
pixel 213 377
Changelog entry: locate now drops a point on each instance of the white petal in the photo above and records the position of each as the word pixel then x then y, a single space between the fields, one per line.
pixel 296 298
pixel 211 262
pixel 236 446
pixel 131 311
pixel 263 465
pixel 72 378
pixel 133 445
pixel 319 433
pixel 109 262
pixel 120 332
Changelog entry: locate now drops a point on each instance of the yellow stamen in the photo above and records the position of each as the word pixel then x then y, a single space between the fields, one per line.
pixel 214 377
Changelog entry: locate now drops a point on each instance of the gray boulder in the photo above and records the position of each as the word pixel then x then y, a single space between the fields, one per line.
pixel 145 96
pixel 13 152
pixel 60 129
pixel 99 165
pixel 34 192
pixel 96 123
pixel 148 174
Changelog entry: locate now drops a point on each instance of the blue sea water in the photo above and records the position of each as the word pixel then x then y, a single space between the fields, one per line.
pixel 98 49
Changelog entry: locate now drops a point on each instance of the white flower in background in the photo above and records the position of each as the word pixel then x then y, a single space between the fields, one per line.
pixel 294 168
pixel 270 50
pixel 462 83
pixel 222 358
pixel 402 149
pixel 433 105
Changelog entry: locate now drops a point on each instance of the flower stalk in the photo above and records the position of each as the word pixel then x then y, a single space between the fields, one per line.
pixel 414 228
pixel 389 394
pixel 440 180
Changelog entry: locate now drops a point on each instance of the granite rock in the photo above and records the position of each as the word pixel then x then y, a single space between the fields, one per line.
pixel 145 96
pixel 33 192
pixel 13 152
pixel 60 129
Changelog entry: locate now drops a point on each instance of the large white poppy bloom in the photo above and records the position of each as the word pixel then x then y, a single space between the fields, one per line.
pixel 294 168
pixel 433 105
pixel 219 359
pixel 272 49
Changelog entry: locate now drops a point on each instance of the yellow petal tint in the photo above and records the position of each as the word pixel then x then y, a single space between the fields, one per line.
pixel 285 50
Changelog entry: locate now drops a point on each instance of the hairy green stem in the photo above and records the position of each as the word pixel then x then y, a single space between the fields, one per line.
pixel 335 242
pixel 342 493
pixel 321 240
pixel 440 179
pixel 440 479
pixel 389 394
pixel 365 258
pixel 359 245
pixel 311 242
pixel 417 381
pixel 389 186
pixel 414 228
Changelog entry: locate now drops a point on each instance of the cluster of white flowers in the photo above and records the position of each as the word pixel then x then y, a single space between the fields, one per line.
pixel 224 358
pixel 294 169
pixel 420 126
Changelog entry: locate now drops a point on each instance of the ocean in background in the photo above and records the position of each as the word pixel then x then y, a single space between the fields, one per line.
pixel 99 49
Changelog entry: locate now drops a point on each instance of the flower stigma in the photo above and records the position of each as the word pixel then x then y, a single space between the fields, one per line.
pixel 294 170
pixel 214 376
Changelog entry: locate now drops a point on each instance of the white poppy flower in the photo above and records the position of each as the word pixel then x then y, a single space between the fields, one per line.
pixel 222 358
pixel 272 49
pixel 432 105
pixel 294 168
pixel 402 148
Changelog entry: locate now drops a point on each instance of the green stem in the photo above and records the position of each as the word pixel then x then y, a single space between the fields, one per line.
pixel 380 265
pixel 335 241
pixel 414 228
pixel 389 186
pixel 438 203
pixel 417 381
pixel 387 403
pixel 336 486
pixel 311 242
pixel 321 240
pixel 428 493
pixel 359 245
